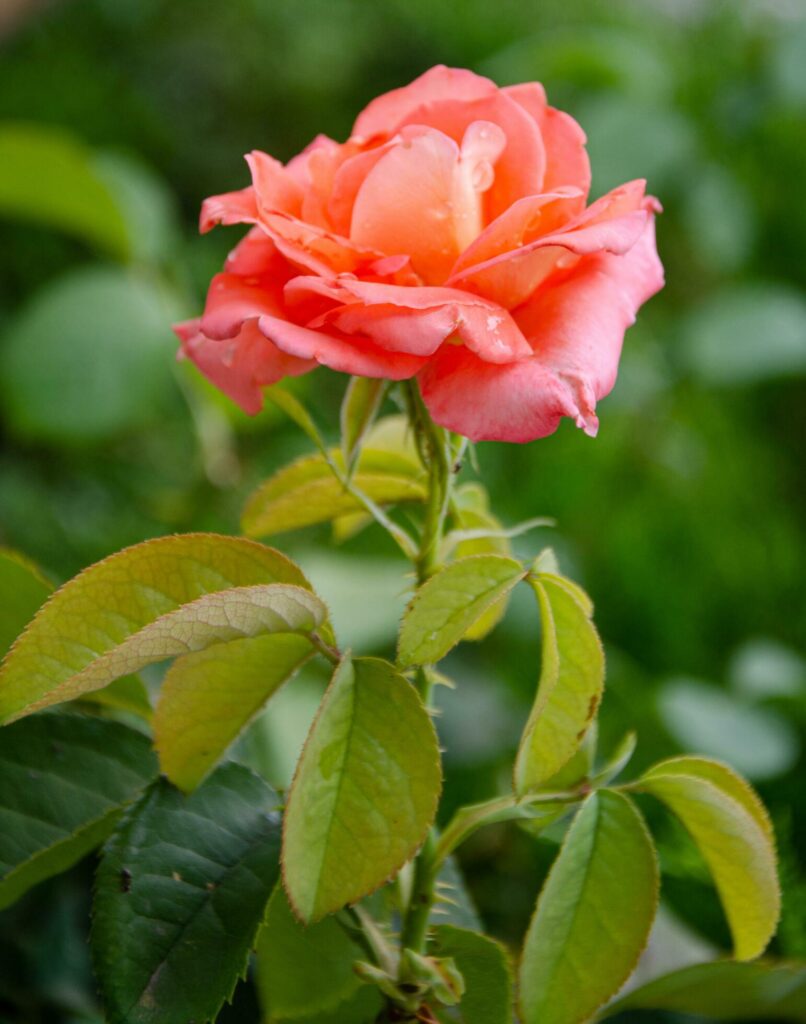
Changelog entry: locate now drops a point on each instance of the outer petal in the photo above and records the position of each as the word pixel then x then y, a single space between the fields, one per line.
pixel 230 208
pixel 576 329
pixel 232 299
pixel 386 112
pixel 346 353
pixel 242 365
pixel 488 402
pixel 254 256
pixel 414 320
pixel 567 160
pixel 275 189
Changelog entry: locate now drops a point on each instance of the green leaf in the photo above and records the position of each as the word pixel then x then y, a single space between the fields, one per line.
pixel 296 412
pixel 473 513
pixel 150 602
pixel 360 406
pixel 32 158
pixel 594 914
pixel 724 778
pixel 89 357
pixel 365 791
pixel 307 492
pixel 391 434
pixel 23 589
pixel 484 965
pixel 129 693
pixel 208 698
pixel 617 762
pixel 63 780
pixel 571 683
pixel 724 990
pixel 180 894
pixel 453 904
pixel 731 829
pixel 446 606
pixel 579 768
pixel 146 203
pixel 362 1007
pixel 302 971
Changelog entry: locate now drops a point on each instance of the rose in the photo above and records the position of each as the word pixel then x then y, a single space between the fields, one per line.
pixel 447 239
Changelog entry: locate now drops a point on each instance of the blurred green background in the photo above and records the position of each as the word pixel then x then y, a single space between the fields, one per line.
pixel 683 519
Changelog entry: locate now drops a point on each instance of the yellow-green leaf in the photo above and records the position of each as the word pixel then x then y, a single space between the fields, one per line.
pixel 450 603
pixel 365 790
pixel 736 843
pixel 307 492
pixel 571 683
pixel 362 399
pixel 473 513
pixel 295 411
pixel 207 698
pixel 157 600
pixel 724 778
pixel 594 914
pixel 23 590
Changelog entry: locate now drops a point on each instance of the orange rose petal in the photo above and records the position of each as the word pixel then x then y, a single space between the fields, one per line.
pixel 386 113
pixel 576 330
pixel 240 366
pixel 347 354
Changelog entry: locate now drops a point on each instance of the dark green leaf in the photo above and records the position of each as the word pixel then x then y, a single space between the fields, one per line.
pixel 180 894
pixel 64 778
pixel 454 905
pixel 724 990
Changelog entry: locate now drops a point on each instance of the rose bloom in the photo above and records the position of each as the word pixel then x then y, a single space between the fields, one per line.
pixel 448 239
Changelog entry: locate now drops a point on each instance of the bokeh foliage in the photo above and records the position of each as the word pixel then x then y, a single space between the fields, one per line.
pixel 684 518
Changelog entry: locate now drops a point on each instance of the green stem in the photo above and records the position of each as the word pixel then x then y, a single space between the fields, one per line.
pixel 436 450
pixel 415 927
pixel 504 808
